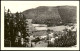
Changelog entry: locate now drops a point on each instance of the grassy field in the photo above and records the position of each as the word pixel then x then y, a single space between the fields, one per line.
pixel 57 28
pixel 44 32
pixel 39 33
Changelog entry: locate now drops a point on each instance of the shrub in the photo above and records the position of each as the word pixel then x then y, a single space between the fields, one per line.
pixel 66 40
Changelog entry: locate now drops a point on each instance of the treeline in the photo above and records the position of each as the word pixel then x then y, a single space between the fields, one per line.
pixel 13 25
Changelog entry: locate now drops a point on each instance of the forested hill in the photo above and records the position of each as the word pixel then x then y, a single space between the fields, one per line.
pixel 52 14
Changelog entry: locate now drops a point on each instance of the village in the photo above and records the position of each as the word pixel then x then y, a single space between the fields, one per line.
pixel 42 36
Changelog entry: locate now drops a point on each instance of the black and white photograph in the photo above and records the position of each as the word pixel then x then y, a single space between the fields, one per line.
pixel 39 25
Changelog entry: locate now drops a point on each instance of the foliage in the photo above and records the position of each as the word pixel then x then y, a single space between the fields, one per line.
pixel 14 23
pixel 66 40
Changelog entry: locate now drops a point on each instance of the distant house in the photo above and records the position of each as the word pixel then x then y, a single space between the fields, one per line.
pixel 73 27
pixel 29 22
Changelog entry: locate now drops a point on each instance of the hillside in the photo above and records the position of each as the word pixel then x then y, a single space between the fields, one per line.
pixel 52 15
pixel 68 14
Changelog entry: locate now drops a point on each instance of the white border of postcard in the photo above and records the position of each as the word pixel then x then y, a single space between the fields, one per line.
pixel 76 3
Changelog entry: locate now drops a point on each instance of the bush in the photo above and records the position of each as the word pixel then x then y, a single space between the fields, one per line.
pixel 66 40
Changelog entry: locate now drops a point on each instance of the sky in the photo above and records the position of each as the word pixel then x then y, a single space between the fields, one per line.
pixel 21 6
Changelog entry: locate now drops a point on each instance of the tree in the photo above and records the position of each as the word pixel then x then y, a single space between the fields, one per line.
pixel 14 23
pixel 6 24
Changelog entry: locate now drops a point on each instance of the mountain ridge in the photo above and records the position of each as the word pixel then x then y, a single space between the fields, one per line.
pixel 51 14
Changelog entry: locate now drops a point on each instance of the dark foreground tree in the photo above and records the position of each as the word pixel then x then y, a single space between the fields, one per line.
pixel 13 24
